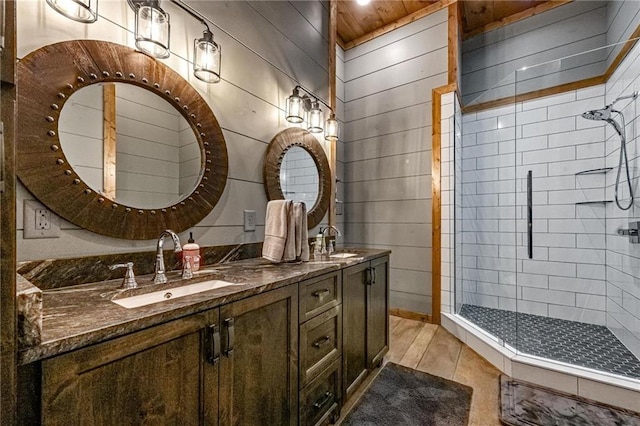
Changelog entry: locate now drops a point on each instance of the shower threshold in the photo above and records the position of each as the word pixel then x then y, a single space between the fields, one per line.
pixel 585 345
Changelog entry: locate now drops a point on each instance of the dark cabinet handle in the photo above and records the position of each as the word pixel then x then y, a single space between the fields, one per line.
pixel 369 276
pixel 230 336
pixel 321 293
pixel 214 344
pixel 375 275
pixel 325 399
pixel 321 341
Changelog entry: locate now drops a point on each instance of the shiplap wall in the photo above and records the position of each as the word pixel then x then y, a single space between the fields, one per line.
pixel 388 84
pixel 623 17
pixel 267 48
pixel 623 258
pixel 489 59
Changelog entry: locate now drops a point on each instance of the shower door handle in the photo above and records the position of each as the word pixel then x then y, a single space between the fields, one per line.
pixel 530 214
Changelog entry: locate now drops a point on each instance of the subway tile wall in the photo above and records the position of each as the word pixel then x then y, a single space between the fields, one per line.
pixel 623 259
pixel 387 150
pixel 566 276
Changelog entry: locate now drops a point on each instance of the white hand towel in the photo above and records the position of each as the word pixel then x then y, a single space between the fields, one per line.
pixel 302 233
pixel 276 229
pixel 290 243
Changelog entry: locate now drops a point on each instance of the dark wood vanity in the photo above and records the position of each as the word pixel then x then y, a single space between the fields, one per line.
pixel 287 346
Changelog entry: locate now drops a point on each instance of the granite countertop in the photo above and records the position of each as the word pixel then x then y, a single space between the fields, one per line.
pixel 77 316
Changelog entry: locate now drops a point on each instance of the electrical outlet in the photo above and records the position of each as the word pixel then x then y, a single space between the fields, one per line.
pixel 249 220
pixel 39 221
pixel 339 208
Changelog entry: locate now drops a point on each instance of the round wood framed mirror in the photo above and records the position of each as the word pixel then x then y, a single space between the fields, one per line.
pixel 315 188
pixel 47 80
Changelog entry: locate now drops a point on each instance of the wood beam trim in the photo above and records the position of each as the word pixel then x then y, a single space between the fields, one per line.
pixel 536 10
pixel 8 247
pixel 333 38
pixel 109 140
pixel 441 4
pixel 453 43
pixel 436 206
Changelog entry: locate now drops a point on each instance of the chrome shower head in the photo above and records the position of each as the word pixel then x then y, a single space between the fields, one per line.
pixel 603 114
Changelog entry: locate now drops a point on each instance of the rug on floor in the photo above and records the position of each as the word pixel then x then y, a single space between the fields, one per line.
pixel 526 404
pixel 402 396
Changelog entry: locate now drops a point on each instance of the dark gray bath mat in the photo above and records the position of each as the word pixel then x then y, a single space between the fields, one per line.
pixel 402 396
pixel 526 404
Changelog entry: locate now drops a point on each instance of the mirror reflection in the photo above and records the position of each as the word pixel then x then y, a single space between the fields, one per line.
pixel 299 178
pixel 130 145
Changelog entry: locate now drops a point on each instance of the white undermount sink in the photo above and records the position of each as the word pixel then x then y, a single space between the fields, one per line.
pixel 342 255
pixel 169 294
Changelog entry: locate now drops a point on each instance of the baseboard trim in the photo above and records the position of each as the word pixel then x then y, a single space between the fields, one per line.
pixel 410 315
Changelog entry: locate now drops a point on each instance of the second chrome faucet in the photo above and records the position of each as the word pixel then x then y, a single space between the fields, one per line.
pixel 160 277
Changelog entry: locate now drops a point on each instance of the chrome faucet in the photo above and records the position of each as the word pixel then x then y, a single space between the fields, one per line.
pixel 159 277
pixel 323 249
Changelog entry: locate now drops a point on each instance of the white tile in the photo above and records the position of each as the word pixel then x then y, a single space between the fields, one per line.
pixel 544 377
pixel 580 285
pixel 549 296
pixel 614 395
pixel 549 127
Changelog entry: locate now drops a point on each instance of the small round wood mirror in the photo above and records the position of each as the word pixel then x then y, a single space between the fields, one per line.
pixel 296 168
pixel 70 140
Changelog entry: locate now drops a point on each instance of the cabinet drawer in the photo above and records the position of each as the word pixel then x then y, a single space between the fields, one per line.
pixel 319 294
pixel 320 343
pixel 320 401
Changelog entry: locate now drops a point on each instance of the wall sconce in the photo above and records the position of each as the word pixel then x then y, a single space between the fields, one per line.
pixel 315 117
pixel 331 127
pixel 79 10
pixel 152 30
pixel 206 57
pixel 297 106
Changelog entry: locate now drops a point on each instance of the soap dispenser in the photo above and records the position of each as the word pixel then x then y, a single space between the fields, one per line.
pixel 191 253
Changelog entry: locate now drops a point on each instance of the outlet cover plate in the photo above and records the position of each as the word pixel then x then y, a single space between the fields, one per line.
pixel 249 220
pixel 39 221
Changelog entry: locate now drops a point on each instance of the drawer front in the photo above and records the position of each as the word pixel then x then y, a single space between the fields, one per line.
pixel 320 401
pixel 319 294
pixel 320 343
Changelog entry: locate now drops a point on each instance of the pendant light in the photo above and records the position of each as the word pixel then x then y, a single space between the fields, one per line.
pixel 85 11
pixel 295 107
pixel 206 58
pixel 315 118
pixel 152 29
pixel 331 127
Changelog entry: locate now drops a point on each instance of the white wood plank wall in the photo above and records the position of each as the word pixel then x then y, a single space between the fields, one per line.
pixel 267 47
pixel 490 59
pixel 388 83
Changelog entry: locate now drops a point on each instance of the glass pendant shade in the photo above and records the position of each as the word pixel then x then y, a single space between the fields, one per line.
pixel 295 107
pixel 331 128
pixel 315 118
pixel 152 30
pixel 79 10
pixel 206 58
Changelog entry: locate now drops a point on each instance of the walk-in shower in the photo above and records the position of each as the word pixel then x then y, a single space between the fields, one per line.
pixel 604 114
pixel 537 264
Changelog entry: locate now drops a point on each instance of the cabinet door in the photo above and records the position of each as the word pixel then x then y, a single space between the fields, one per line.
pixel 378 312
pixel 152 376
pixel 354 327
pixel 259 365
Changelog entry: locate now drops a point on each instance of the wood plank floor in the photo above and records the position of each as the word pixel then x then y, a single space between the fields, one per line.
pixel 432 349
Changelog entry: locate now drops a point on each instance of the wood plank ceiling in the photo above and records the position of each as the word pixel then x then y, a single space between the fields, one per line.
pixel 356 21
